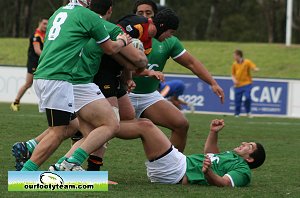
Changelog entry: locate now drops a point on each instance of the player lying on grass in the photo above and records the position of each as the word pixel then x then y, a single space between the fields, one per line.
pixel 167 165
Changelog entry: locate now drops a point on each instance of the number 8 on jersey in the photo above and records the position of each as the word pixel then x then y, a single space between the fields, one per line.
pixel 57 22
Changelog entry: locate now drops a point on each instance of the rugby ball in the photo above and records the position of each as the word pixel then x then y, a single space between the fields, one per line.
pixel 51 178
pixel 137 44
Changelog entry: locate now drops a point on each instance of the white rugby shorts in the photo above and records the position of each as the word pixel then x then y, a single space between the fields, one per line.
pixel 54 94
pixel 141 102
pixel 169 169
pixel 85 94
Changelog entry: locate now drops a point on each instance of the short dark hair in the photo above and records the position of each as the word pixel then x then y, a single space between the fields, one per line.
pixel 101 6
pixel 148 2
pixel 164 20
pixel 43 18
pixel 239 53
pixel 259 156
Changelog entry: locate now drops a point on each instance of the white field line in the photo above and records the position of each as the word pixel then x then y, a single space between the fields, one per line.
pixel 277 123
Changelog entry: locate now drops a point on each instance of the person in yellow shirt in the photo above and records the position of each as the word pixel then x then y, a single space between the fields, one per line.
pixel 241 77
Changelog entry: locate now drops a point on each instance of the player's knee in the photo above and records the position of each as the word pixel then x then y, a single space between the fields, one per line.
pixel 145 123
pixel 60 133
pixel 185 125
pixel 182 124
pixel 114 127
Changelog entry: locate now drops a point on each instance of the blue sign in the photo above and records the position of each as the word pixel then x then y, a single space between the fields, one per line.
pixel 268 97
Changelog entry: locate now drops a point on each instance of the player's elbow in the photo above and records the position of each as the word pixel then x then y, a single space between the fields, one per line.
pixel 225 182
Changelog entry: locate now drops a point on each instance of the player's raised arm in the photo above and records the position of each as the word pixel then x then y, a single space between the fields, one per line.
pixel 211 144
pixel 191 63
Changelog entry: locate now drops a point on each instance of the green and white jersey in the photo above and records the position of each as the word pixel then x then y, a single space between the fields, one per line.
pixel 161 52
pixel 69 29
pixel 227 163
pixel 90 58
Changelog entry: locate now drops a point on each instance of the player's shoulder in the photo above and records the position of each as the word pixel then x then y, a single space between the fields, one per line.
pixel 79 10
pixel 246 60
pixel 169 43
pixel 110 25
pixel 172 40
pixel 87 12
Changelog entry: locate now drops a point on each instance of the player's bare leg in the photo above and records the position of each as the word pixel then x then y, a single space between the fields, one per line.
pixel 95 160
pixel 50 142
pixel 154 140
pixel 126 112
pixel 164 114
pixel 126 109
pixel 71 130
pixel 28 83
pixel 85 128
pixel 101 117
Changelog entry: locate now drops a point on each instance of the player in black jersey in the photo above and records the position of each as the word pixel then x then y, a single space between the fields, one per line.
pixel 36 44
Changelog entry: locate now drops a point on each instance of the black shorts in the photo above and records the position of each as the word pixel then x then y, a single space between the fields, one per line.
pixel 58 117
pixel 122 91
pixel 109 78
pixel 32 65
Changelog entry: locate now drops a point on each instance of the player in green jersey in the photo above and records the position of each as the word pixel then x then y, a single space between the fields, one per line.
pixel 83 74
pixel 89 64
pixel 70 29
pixel 167 165
pixel 110 69
pixel 146 100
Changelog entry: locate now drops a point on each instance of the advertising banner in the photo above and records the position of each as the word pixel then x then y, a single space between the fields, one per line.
pixel 268 97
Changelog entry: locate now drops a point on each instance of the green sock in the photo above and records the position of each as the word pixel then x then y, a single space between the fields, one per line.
pixel 30 166
pixel 31 144
pixel 79 156
pixel 60 161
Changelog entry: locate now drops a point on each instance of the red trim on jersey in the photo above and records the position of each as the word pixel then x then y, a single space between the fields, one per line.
pixel 39 33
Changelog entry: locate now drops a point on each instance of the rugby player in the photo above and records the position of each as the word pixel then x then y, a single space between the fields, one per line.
pixel 71 28
pixel 108 76
pixel 86 55
pixel 147 101
pixel 90 58
pixel 36 43
pixel 167 165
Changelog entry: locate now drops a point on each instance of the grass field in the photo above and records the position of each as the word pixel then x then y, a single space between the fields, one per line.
pixel 278 177
pixel 274 60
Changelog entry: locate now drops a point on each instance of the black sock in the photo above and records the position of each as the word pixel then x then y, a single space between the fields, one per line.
pixel 94 163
